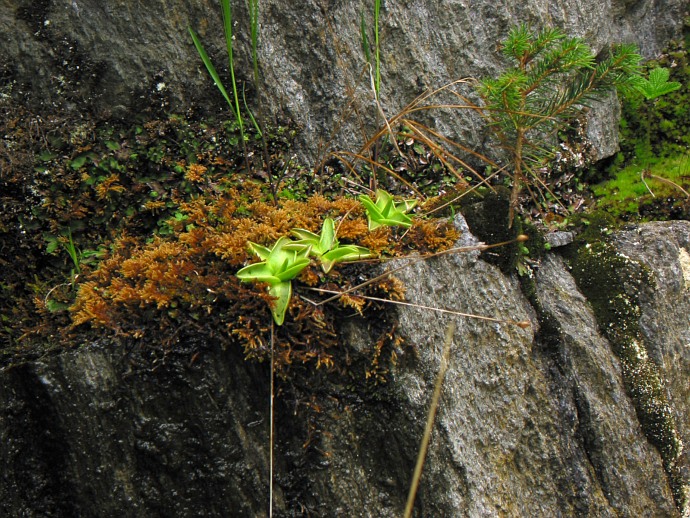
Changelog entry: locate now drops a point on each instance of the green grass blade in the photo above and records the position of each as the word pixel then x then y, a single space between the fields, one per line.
pixel 209 66
pixel 227 28
pixel 255 123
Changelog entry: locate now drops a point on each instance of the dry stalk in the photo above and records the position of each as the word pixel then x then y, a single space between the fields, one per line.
pixel 424 446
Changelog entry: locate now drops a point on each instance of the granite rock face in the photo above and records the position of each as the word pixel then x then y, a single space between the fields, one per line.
pixel 532 422
pixel 116 58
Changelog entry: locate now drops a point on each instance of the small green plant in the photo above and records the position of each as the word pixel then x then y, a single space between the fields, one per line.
pixel 375 63
pixel 552 79
pixel 73 252
pixel 281 263
pixel 657 84
pixel 233 103
pixel 386 211
pixel 326 247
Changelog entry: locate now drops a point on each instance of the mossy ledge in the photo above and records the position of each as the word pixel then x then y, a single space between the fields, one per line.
pixel 612 283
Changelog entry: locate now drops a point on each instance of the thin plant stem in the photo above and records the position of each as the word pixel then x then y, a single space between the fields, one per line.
pixel 377 48
pixel 647 174
pixel 270 434
pixel 519 239
pixel 431 416
pixel 254 33
pixel 522 324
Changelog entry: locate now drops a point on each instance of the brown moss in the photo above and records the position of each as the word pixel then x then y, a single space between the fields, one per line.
pixel 186 283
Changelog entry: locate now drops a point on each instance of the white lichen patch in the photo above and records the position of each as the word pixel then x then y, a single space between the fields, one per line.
pixel 640 351
pixel 684 260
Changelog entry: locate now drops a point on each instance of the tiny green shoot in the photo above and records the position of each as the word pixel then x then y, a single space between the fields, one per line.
pixel 386 211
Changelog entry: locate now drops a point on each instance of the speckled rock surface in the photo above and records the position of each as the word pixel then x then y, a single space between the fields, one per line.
pixel 116 58
pixel 532 422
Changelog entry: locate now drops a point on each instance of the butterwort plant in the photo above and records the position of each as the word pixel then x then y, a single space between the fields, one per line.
pixel 326 247
pixel 280 264
pixel 386 211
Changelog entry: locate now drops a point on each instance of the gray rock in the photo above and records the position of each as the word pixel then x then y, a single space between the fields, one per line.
pixel 626 469
pixel 116 59
pixel 532 422
pixel 665 319
pixel 89 434
pixel 556 239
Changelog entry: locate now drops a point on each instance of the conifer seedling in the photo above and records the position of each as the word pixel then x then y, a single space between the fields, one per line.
pixel 552 79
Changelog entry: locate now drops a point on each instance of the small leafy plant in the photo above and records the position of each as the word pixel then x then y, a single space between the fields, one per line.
pixel 552 79
pixel 386 211
pixel 326 247
pixel 281 263
pixel 657 84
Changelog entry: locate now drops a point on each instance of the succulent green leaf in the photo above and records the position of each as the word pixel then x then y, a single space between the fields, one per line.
pixel 327 240
pixel 306 236
pixel 405 205
pixel 259 272
pixel 397 219
pixel 383 199
pixel 343 253
pixel 386 211
pixel 291 269
pixel 373 213
pixel 282 292
pixel 320 243
pixel 259 250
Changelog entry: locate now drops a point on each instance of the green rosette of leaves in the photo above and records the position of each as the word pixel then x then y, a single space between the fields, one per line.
pixel 326 247
pixel 280 265
pixel 386 211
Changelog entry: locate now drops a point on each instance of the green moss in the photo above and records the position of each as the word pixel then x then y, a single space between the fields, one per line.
pixel 654 139
pixel 613 283
pixel 636 190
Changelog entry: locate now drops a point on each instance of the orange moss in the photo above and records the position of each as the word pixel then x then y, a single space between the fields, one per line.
pixel 195 173
pixel 107 187
pixel 186 283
